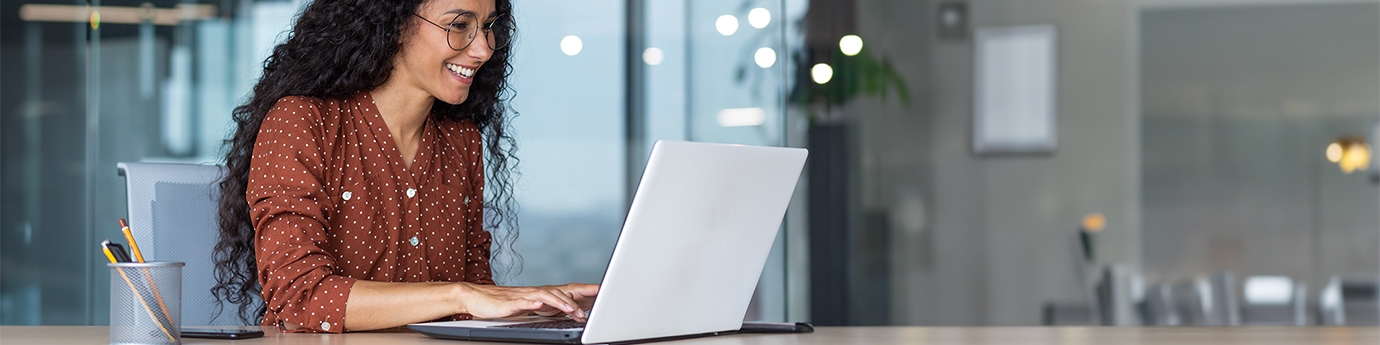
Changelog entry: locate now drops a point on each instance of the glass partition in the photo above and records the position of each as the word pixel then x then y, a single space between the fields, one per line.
pixel 716 71
pixel 91 84
pixel 1206 149
pixel 568 77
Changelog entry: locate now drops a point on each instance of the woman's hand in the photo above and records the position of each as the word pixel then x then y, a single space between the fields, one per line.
pixel 582 294
pixel 491 301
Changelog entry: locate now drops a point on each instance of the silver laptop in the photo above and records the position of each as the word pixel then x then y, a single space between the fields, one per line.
pixel 688 258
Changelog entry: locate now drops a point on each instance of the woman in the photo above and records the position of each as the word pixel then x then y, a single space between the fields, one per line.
pixel 361 157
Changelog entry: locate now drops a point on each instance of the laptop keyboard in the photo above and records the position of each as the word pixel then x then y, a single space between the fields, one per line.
pixel 557 324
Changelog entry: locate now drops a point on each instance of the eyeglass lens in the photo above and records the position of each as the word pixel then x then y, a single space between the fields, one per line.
pixel 463 29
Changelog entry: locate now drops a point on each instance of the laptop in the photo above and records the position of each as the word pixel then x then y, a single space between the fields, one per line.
pixel 687 261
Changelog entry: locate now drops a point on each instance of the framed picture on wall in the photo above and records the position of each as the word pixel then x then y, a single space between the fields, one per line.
pixel 1015 88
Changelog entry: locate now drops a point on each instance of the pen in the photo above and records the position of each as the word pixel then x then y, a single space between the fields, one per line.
pixel 133 247
pixel 105 247
pixel 117 250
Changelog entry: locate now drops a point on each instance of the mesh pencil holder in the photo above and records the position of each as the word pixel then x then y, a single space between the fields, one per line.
pixel 145 302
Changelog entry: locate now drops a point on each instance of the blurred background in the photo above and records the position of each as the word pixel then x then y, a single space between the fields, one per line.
pixel 981 162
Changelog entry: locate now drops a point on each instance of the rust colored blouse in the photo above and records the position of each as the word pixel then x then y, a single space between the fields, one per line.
pixel 332 202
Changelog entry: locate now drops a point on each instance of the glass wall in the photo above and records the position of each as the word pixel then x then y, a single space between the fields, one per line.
pixel 670 74
pixel 87 87
pixel 717 71
pixel 569 81
pixel 1243 182
pixel 156 82
pixel 1206 150
pixel 1191 177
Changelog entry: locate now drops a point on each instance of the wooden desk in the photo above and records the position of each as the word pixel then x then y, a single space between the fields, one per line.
pixel 59 335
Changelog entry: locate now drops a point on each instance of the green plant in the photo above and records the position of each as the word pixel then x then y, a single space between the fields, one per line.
pixel 861 75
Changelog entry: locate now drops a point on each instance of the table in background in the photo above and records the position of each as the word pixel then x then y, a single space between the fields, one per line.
pixel 60 335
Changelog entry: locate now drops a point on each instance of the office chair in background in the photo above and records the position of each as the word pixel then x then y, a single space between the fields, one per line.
pixel 1207 300
pixel 1274 301
pixel 1111 292
pixel 1158 308
pixel 1350 302
pixel 1227 311
pixel 172 213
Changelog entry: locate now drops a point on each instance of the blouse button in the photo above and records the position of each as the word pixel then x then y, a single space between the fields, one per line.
pixel 325 326
pixel 413 241
pixel 346 195
pixel 411 192
pixel 467 201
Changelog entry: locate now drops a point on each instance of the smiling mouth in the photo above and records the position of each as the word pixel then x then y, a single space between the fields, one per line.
pixel 460 70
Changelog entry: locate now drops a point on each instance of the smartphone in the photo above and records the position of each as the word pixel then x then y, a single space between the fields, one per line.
pixel 221 333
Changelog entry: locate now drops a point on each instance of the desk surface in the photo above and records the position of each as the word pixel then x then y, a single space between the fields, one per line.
pixel 59 335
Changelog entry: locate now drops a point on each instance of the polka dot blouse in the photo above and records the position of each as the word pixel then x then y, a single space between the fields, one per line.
pixel 332 202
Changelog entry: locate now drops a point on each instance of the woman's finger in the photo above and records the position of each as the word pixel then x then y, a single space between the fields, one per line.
pixel 581 290
pixel 571 307
pixel 583 294
pixel 549 299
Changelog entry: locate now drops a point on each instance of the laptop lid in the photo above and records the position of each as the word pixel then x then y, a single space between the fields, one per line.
pixel 695 240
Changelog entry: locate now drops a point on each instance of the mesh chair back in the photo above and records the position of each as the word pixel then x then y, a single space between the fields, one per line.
pixel 172 213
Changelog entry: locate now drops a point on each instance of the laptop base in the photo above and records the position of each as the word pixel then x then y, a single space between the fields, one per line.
pixel 535 336
pixel 539 336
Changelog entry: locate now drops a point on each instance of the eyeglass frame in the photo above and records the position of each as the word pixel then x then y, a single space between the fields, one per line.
pixel 487 31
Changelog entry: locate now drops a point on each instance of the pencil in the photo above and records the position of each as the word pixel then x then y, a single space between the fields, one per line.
pixel 135 290
pixel 133 247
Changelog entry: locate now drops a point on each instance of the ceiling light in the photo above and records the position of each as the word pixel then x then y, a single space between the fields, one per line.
pixel 571 45
pixel 850 45
pixel 742 117
pixel 821 73
pixel 115 14
pixel 727 25
pixel 653 56
pixel 765 57
pixel 759 17
pixel 1350 153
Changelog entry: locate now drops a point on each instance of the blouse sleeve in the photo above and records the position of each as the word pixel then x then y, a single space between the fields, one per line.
pixel 289 208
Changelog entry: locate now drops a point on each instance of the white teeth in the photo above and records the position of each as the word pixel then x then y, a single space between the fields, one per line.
pixel 463 72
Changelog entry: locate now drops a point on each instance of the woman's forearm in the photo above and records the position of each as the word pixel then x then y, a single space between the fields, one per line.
pixel 377 305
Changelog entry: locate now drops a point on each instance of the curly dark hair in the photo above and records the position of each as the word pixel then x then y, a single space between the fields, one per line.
pixel 338 48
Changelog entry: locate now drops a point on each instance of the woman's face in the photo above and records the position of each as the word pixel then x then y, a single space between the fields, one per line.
pixel 426 59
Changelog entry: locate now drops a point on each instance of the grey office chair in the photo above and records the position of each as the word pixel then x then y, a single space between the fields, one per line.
pixel 1228 309
pixel 1350 302
pixel 172 213
pixel 1274 301
pixel 1192 301
pixel 1066 314
pixel 1111 292
pixel 1207 300
pixel 1118 291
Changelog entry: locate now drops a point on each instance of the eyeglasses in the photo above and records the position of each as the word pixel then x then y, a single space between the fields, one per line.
pixel 463 28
